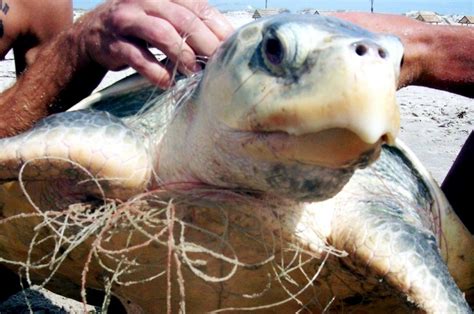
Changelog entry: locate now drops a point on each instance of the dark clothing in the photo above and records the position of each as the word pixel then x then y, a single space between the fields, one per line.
pixel 458 186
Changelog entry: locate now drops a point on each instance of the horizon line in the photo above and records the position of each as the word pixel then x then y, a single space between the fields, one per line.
pixel 335 10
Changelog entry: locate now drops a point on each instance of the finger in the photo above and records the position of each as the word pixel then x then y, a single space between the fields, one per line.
pixel 144 62
pixel 213 19
pixel 161 34
pixel 188 25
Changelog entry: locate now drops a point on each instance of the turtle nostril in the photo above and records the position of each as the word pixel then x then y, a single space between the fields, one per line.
pixel 370 48
pixel 361 49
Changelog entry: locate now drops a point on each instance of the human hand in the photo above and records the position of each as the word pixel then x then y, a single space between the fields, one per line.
pixel 118 33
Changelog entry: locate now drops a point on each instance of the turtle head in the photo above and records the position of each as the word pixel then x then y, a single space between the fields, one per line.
pixel 302 92
pixel 327 84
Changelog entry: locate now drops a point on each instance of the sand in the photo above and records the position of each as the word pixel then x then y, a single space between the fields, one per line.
pixel 434 123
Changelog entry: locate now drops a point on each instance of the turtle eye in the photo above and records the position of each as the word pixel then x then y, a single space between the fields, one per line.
pixel 273 50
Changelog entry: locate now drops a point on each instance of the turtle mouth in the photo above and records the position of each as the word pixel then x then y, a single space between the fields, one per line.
pixel 331 148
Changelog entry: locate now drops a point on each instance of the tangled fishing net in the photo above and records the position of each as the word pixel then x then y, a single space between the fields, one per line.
pixel 115 235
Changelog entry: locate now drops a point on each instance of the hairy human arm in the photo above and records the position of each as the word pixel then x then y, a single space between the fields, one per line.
pixel 61 75
pixel 37 23
pixel 437 56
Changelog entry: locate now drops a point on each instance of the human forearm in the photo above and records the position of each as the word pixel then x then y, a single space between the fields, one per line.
pixel 62 75
pixel 437 56
pixel 448 60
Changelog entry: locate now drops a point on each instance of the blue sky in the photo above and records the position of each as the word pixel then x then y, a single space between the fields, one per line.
pixel 464 7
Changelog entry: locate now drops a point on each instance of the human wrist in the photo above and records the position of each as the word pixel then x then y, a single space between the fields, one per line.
pixel 83 73
pixel 83 36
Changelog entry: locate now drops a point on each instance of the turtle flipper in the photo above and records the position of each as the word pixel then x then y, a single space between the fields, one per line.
pixel 405 256
pixel 455 239
pixel 384 220
pixel 82 146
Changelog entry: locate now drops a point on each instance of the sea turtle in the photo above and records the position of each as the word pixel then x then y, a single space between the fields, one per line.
pixel 265 182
